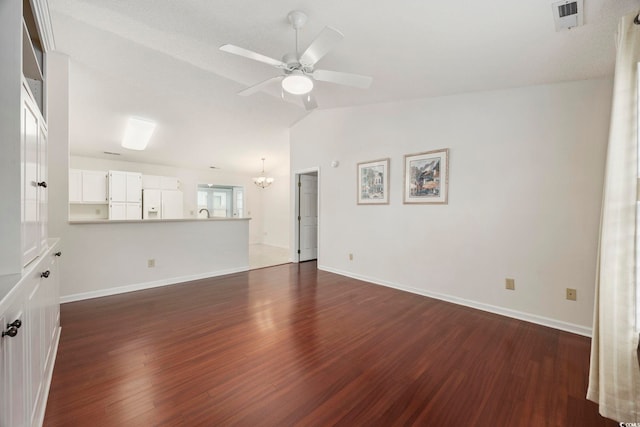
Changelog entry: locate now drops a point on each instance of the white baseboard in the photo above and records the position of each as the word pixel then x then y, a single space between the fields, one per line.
pixel 520 315
pixel 147 285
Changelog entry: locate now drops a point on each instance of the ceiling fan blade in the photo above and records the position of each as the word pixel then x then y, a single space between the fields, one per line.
pixel 240 51
pixel 326 40
pixel 348 79
pixel 258 87
pixel 309 102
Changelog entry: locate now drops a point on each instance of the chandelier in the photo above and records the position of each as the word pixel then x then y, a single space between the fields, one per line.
pixel 263 181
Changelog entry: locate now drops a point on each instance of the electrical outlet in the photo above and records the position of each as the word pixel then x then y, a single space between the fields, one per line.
pixel 151 263
pixel 510 284
pixel 572 294
pixel 350 257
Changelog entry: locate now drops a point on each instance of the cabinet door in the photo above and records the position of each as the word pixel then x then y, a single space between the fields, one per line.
pixel 35 310
pixel 151 182
pixel 117 186
pixel 52 307
pixel 29 148
pixel 134 188
pixel 75 186
pixel 117 210
pixel 94 186
pixel 134 211
pixel 14 381
pixel 43 188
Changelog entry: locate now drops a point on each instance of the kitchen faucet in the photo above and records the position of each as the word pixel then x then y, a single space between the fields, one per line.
pixel 205 209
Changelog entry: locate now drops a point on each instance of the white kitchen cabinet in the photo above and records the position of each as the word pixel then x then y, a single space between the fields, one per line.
pixel 87 186
pixel 122 211
pixel 125 195
pixel 125 187
pixel 94 187
pixel 134 211
pixel 30 322
pixel 155 182
pixel 75 186
pixel 117 210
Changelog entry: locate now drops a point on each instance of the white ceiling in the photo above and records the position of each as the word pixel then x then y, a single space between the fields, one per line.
pixel 159 59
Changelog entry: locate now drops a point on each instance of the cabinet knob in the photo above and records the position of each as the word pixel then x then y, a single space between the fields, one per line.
pixel 42 184
pixel 45 274
pixel 12 328
pixel 11 332
pixel 58 253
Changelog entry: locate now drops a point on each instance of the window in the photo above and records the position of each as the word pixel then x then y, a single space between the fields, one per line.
pixel 221 201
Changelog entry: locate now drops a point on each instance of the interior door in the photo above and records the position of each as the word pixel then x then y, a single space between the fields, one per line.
pixel 308 217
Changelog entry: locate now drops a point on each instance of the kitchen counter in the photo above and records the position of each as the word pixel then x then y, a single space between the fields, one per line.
pixel 136 221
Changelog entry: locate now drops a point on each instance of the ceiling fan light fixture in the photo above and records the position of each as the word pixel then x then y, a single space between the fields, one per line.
pixel 297 83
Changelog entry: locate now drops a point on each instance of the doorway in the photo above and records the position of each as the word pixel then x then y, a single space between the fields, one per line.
pixel 306 215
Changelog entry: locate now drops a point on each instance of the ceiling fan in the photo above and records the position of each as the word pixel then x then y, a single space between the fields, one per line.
pixel 298 70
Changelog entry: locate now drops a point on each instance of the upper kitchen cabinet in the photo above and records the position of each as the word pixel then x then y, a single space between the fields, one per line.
pixel 125 195
pixel 87 186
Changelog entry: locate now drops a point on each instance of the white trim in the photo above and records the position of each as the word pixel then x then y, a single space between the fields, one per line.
pixel 294 215
pixel 43 17
pixel 148 285
pixel 515 314
pixel 49 376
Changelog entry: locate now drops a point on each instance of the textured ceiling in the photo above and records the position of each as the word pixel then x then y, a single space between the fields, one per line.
pixel 159 59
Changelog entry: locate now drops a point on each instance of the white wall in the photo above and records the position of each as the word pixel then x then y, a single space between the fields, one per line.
pixel 106 258
pixel 525 184
pixel 276 212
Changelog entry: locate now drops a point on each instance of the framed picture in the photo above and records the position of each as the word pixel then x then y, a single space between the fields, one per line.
pixel 426 177
pixel 373 182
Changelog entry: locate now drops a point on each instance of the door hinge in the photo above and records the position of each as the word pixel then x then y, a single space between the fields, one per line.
pixel 298 251
pixel 299 218
pixel 299 184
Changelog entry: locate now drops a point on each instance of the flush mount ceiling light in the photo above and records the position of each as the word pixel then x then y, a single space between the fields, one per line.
pixel 263 181
pixel 138 133
pixel 297 83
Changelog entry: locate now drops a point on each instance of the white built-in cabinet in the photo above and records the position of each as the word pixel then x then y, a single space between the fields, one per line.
pixel 29 288
pixel 125 195
pixel 30 318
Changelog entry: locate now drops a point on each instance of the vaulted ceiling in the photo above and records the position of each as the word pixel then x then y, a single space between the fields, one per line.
pixel 159 59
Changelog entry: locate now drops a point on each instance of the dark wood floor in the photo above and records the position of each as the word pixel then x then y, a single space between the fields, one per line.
pixel 290 345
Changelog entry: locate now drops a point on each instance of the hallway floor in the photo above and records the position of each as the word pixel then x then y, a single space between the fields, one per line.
pixel 266 256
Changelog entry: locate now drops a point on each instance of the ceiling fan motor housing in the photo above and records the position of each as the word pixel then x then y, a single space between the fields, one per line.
pixel 297 19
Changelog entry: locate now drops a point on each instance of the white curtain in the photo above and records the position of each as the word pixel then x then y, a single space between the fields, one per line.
pixel 614 378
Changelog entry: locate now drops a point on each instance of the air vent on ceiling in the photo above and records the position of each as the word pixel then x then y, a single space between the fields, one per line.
pixel 567 14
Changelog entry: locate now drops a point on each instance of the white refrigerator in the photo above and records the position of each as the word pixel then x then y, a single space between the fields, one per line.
pixel 162 204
